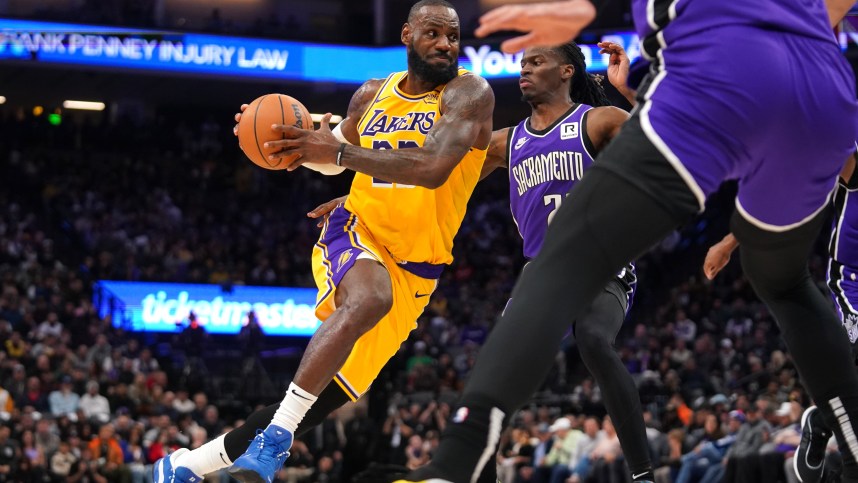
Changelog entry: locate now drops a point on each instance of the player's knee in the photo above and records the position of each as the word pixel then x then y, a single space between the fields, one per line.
pixel 365 311
pixel 592 342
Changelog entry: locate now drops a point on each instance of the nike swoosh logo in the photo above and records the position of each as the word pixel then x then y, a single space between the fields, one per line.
pixel 302 397
pixel 418 295
pixel 634 477
pixel 224 459
pixel 381 98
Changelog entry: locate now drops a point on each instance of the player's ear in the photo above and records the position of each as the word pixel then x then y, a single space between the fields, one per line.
pixel 567 71
pixel 406 33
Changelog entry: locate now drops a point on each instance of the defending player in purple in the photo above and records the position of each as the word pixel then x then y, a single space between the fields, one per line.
pixel 547 154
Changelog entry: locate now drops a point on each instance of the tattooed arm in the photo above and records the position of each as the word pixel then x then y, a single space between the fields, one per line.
pixel 466 122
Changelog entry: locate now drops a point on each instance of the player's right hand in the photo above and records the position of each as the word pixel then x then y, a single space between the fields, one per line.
pixel 546 24
pixel 325 209
pixel 238 119
pixel 618 64
pixel 717 258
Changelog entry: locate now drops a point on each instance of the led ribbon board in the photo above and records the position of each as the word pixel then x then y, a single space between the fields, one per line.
pixel 220 55
pixel 164 307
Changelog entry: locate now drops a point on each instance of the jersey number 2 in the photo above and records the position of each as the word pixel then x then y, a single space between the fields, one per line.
pixel 384 144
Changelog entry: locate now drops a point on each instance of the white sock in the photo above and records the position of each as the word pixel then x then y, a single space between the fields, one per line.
pixel 293 408
pixel 206 459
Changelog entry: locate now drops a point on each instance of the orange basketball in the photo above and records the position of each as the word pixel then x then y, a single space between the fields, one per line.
pixel 254 130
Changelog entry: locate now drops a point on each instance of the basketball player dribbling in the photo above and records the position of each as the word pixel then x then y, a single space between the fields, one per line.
pixel 571 121
pixel 417 141
pixel 733 92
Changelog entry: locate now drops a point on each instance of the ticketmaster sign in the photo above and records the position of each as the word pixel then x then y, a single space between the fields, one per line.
pixel 164 307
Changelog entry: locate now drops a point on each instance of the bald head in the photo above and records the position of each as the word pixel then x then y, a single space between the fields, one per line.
pixel 415 9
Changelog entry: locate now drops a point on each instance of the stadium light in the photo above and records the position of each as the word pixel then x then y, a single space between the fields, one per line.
pixel 2 99
pixel 334 119
pixel 84 105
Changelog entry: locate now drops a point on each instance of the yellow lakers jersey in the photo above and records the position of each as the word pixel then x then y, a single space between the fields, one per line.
pixel 414 224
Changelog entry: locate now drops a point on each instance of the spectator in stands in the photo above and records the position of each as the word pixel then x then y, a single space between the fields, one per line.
pixel 750 438
pixel 50 327
pixel 515 455
pixel 62 462
pixel 34 396
pixel 46 436
pixel 182 404
pixel 7 403
pixel 251 335
pixel 94 405
pixel 555 466
pixel 145 363
pixel 107 452
pixel 9 454
pixel 16 347
pixel 579 465
pixel 706 462
pixel 99 352
pixel 211 420
pixel 415 452
pixel 87 469
pixel 670 459
pixel 602 464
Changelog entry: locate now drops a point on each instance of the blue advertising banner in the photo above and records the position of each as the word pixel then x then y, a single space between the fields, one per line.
pixel 488 61
pixel 164 307
pixel 98 46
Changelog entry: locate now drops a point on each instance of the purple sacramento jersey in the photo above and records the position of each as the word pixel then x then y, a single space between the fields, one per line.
pixel 843 261
pixel 734 93
pixel 806 18
pixel 543 166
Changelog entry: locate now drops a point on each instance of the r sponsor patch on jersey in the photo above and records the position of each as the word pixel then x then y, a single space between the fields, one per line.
pixel 569 130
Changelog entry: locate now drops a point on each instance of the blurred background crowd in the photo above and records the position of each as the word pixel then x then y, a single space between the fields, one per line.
pixel 81 400
pixel 154 190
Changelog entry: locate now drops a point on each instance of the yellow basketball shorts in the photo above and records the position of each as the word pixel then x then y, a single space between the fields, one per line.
pixel 344 241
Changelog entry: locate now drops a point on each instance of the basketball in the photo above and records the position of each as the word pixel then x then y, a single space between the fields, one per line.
pixel 254 129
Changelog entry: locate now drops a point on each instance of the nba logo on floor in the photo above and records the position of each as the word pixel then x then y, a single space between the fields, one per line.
pixel 569 130
pixel 461 415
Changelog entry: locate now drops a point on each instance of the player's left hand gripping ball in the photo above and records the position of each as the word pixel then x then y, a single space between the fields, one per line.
pixel 319 146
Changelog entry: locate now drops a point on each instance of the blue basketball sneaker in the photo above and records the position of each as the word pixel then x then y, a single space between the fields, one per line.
pixel 164 469
pixel 264 457
pixel 185 475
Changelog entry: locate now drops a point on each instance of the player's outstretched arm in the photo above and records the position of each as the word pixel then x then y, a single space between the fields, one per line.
pixel 497 156
pixel 618 69
pixel 466 121
pixel 546 24
pixel 718 256
pixel 603 124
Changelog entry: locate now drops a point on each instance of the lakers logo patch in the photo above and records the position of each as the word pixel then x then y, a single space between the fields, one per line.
pixel 344 258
